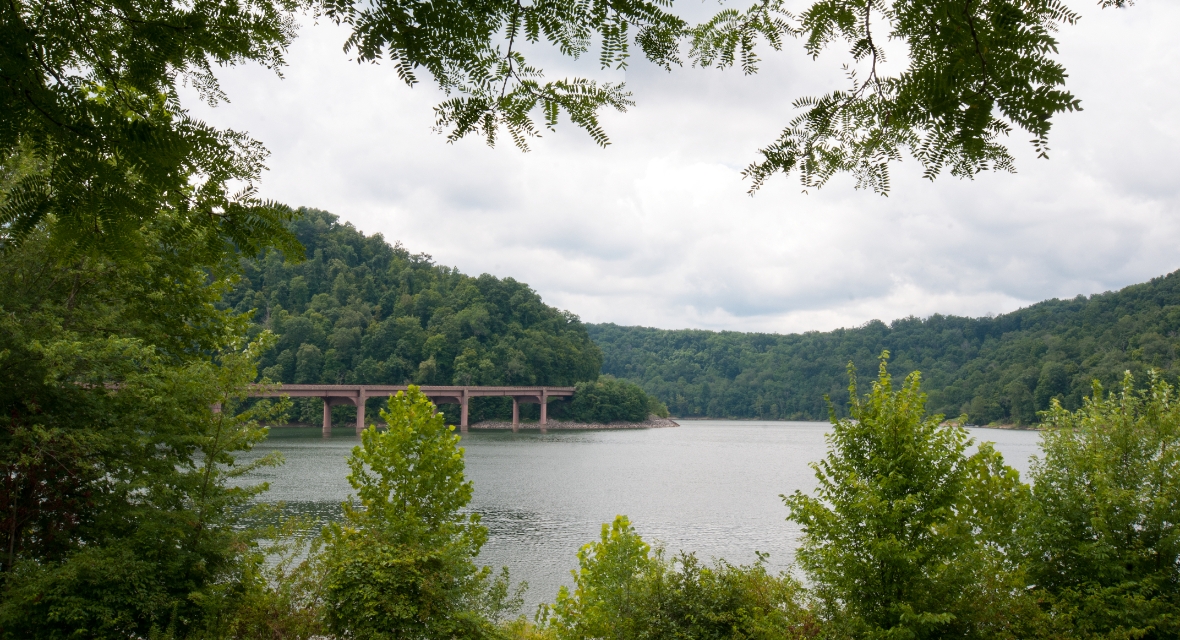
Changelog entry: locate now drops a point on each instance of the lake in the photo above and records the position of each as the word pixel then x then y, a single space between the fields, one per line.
pixel 708 486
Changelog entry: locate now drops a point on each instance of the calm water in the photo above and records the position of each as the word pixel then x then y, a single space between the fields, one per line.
pixel 707 486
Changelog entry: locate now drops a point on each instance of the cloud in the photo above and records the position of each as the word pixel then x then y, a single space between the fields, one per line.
pixel 657 229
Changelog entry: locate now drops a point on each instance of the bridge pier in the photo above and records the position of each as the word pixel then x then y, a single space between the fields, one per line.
pixel 327 428
pixel 463 412
pixel 360 411
pixel 515 414
pixel 544 410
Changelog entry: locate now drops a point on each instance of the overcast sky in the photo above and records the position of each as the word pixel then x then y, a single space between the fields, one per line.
pixel 657 229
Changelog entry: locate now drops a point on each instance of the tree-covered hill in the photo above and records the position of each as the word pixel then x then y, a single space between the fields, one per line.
pixel 360 310
pixel 997 369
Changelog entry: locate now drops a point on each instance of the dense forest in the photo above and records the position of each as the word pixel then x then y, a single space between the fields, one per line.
pixel 997 369
pixel 358 309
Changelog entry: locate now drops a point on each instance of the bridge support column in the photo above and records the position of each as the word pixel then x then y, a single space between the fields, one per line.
pixel 544 409
pixel 463 412
pixel 515 415
pixel 327 430
pixel 360 411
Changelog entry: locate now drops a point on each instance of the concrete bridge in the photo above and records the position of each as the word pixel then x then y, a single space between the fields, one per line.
pixel 356 394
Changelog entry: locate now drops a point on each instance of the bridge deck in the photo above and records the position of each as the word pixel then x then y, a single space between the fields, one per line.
pixel 356 394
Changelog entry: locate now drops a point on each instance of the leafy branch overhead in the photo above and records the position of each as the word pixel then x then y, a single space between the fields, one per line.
pixel 473 50
pixel 88 93
pixel 95 142
pixel 975 71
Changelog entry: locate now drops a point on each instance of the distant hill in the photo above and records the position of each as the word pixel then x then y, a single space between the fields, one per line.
pixel 1000 369
pixel 360 310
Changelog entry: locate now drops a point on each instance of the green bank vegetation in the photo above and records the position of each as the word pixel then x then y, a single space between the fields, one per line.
pixel 118 515
pixel 1004 369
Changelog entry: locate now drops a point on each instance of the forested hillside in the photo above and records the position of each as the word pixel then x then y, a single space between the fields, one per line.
pixel 360 310
pixel 1000 369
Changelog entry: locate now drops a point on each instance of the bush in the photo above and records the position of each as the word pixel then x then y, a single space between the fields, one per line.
pixel 611 400
pixel 122 499
pixel 624 590
pixel 402 564
pixel 1102 540
pixel 905 537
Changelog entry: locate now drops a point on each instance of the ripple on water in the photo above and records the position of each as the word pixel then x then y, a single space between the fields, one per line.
pixel 711 487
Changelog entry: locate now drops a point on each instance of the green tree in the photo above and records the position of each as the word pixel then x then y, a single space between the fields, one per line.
pixel 1102 542
pixel 90 95
pixel 611 400
pixel 402 563
pixel 624 590
pixel 906 535
pixel 90 92
pixel 119 514
pixel 359 310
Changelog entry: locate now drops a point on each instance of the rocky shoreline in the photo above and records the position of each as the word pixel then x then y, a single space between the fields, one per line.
pixel 563 425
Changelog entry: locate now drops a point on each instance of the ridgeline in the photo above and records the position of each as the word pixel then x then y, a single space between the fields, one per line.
pixel 361 310
pixel 1002 369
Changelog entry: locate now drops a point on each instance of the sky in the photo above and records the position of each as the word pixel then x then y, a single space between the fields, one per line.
pixel 658 230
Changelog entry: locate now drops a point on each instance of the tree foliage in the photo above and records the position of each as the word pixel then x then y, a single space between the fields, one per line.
pixel 120 505
pixel 360 311
pixel 90 92
pixel 906 533
pixel 610 400
pixel 1101 537
pixel 972 74
pixel 995 369
pixel 402 563
pixel 476 51
pixel 623 590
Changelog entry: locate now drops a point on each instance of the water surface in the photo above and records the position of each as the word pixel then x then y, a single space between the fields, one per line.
pixel 711 487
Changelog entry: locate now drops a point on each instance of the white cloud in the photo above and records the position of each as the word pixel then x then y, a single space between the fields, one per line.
pixel 657 229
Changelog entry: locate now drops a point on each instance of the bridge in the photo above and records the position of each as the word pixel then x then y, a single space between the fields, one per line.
pixel 355 394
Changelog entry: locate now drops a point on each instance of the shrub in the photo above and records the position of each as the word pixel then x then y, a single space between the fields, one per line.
pixel 906 536
pixel 1102 539
pixel 624 590
pixel 402 564
pixel 612 400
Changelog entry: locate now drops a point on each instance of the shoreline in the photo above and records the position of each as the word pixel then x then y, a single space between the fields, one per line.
pixel 504 425
pixel 565 425
pixel 1008 427
pixel 655 423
